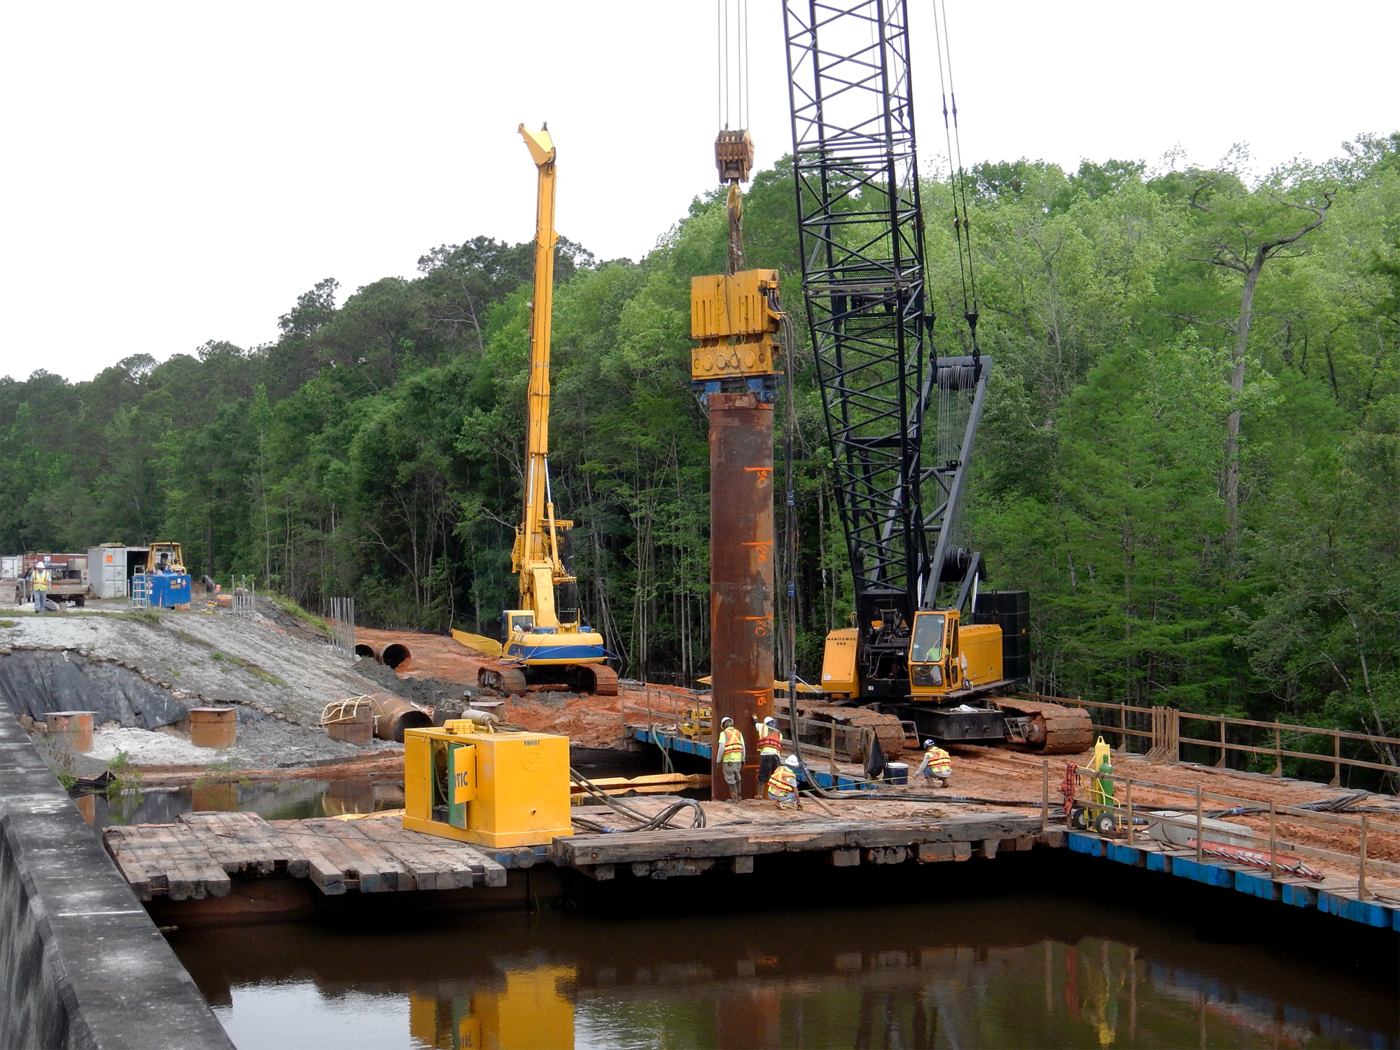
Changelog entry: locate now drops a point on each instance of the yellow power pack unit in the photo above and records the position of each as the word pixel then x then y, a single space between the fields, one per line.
pixel 492 788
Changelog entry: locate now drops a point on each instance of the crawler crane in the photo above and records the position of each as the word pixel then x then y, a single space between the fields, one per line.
pixel 901 420
pixel 546 641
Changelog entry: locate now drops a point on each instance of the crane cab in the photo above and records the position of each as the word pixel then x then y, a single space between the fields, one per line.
pixel 947 656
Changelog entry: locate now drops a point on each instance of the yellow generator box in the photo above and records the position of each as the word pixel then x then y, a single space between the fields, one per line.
pixel 496 789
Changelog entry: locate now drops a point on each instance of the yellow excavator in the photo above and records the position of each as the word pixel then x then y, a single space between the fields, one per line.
pixel 546 640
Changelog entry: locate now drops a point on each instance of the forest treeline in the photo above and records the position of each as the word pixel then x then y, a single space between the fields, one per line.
pixel 1189 456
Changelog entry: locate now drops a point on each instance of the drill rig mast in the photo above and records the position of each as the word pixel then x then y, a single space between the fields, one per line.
pixel 546 639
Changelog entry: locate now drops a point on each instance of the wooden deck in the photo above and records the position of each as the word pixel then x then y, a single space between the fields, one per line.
pixel 842 843
pixel 195 857
pixel 201 854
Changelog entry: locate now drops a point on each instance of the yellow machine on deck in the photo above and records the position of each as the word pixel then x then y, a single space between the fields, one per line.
pixel 466 782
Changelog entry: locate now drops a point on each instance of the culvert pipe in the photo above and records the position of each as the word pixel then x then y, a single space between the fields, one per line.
pixel 367 650
pixel 395 714
pixel 395 655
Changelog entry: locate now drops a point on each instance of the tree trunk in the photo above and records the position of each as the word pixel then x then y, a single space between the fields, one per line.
pixel 1230 471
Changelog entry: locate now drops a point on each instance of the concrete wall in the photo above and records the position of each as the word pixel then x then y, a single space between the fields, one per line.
pixel 81 964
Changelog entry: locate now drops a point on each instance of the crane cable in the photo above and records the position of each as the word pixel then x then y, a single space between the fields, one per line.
pixel 957 178
pixel 732 85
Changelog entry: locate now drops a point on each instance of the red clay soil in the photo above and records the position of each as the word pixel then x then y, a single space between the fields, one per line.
pixel 433 655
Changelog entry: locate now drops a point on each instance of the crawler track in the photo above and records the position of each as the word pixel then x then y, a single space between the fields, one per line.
pixel 1055 729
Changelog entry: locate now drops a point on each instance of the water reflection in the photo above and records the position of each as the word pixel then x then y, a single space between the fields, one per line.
pixel 1024 972
pixel 279 800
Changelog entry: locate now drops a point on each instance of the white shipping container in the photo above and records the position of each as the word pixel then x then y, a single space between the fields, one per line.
pixel 107 571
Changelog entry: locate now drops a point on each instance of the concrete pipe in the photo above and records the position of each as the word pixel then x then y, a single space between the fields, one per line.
pixel 395 714
pixel 367 650
pixel 395 655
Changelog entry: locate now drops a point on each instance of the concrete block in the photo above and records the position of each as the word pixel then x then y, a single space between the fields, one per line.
pixel 742 864
pixel 887 855
pixel 988 848
pixel 845 858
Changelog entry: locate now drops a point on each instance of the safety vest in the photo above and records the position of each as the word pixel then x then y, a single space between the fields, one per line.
pixel 41 579
pixel 770 741
pixel 783 781
pixel 940 763
pixel 731 743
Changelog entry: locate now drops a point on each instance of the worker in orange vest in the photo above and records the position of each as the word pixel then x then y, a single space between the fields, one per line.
pixel 782 785
pixel 731 757
pixel 937 766
pixel 770 754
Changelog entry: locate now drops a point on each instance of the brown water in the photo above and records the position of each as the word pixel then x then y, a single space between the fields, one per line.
pixel 1018 970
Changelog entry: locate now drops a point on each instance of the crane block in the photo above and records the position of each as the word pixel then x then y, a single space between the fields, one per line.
pixel 733 155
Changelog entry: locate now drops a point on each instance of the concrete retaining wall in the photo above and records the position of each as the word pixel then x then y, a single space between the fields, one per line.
pixel 81 964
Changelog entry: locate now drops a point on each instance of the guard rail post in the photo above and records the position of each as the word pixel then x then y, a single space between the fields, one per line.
pixel 1200 831
pixel 1361 863
pixel 1273 841
pixel 1336 759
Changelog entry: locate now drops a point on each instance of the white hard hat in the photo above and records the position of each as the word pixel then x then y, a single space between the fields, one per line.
pixel 791 760
pixel 726 721
pixel 770 721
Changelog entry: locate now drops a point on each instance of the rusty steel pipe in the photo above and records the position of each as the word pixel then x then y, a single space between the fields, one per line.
pixel 367 651
pixel 395 655
pixel 393 715
pixel 741 574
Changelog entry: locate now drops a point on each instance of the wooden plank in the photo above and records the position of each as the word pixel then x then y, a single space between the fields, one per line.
pixel 378 871
pixel 242 846
pixel 323 872
pixel 441 864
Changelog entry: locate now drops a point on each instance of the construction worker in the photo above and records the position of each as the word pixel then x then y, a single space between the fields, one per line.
pixel 937 766
pixel 731 756
pixel 770 754
pixel 39 583
pixel 782 785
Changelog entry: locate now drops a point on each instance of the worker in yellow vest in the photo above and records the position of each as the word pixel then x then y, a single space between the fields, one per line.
pixel 937 766
pixel 39 584
pixel 731 757
pixel 770 754
pixel 782 785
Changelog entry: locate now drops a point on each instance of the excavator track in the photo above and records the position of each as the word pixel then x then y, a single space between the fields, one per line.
pixel 1053 728
pixel 507 681
pixel 604 679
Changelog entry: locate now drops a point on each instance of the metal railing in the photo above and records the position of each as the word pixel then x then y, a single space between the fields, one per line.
pixel 245 596
pixel 1164 737
pixel 1125 810
pixel 341 621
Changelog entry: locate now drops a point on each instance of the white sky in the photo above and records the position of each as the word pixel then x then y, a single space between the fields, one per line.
pixel 180 172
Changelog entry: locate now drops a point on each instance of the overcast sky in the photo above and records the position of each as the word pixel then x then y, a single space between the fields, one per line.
pixel 177 173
